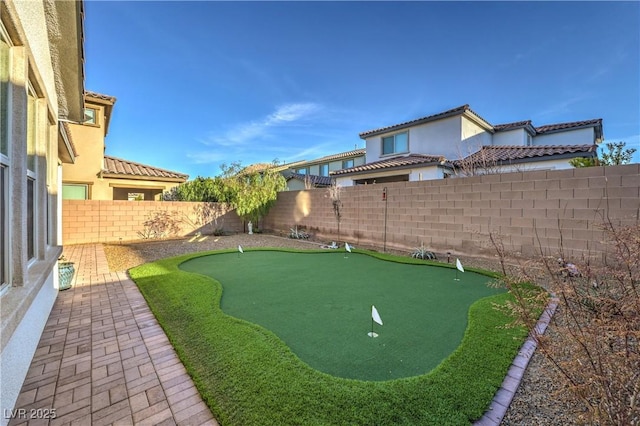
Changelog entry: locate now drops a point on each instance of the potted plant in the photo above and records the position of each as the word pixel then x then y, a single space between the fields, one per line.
pixel 66 270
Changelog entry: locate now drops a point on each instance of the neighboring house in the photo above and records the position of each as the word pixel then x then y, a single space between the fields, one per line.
pixel 460 142
pixel 41 87
pixel 96 176
pixel 316 173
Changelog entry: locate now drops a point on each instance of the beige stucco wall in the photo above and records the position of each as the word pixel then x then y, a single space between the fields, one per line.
pixel 25 303
pixel 529 210
pixel 89 144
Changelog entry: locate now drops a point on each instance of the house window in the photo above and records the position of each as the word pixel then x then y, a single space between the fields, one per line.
pixel 347 164
pixel 72 191
pixel 90 115
pixel 4 249
pixel 32 121
pixel 31 234
pixel 302 171
pixel 324 169
pixel 135 196
pixel 4 159
pixel 529 140
pixel 395 144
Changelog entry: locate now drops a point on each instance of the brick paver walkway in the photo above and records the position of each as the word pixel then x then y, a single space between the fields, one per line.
pixel 103 359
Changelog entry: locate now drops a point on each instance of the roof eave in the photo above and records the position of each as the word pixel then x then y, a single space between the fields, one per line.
pixel 381 170
pixel 66 153
pixel 147 178
pixel 66 38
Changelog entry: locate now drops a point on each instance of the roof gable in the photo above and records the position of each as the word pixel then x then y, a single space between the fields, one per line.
pixel 124 168
pixel 461 110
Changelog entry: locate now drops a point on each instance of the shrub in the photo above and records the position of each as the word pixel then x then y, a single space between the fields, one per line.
pixel 298 235
pixel 422 253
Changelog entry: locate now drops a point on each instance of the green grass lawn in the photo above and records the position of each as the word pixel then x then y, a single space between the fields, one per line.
pixel 248 375
pixel 319 304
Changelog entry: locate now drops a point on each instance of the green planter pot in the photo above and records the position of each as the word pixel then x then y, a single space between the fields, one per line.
pixel 65 274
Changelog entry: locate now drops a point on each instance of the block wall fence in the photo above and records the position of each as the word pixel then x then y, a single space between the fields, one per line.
pixel 91 221
pixel 530 211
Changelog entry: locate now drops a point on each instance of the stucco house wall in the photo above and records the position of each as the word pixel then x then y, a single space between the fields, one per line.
pixel 574 137
pixel 512 137
pixel 36 42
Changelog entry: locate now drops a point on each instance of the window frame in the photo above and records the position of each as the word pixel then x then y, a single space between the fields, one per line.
pixel 74 184
pixel 323 169
pixel 5 162
pixel 32 175
pixel 395 149
pixel 346 165
pixel 94 121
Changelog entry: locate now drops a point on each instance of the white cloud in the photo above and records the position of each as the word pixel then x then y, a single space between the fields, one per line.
pixel 205 157
pixel 563 107
pixel 244 133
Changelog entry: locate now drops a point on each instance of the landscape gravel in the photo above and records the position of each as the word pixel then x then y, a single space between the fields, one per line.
pixel 542 398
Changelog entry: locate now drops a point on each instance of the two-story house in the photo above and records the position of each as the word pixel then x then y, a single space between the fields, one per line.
pixel 41 87
pixel 96 176
pixel 316 173
pixel 460 142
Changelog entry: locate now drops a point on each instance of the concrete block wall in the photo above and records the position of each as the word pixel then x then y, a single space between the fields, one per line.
pixel 531 212
pixel 90 221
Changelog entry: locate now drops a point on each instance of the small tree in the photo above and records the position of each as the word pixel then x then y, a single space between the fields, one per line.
pixel 615 155
pixel 198 189
pixel 334 194
pixel 252 193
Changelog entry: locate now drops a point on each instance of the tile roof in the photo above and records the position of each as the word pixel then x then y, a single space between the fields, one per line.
pixel 571 125
pixel 315 179
pixel 347 154
pixel 512 126
pixel 118 166
pixel 450 113
pixel 464 109
pixel 404 161
pixel 96 95
pixel 502 154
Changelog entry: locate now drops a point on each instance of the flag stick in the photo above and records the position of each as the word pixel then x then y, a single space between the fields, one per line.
pixel 456 278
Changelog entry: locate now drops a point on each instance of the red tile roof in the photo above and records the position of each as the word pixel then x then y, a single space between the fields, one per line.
pixel 512 126
pixel 394 162
pixel 314 179
pixel 96 95
pixel 464 109
pixel 347 154
pixel 503 154
pixel 118 166
pixel 450 113
pixel 571 125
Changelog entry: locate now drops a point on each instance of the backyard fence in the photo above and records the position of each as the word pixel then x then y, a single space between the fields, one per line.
pixel 90 221
pixel 531 212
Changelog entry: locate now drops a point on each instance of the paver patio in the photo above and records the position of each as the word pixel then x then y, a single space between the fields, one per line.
pixel 103 358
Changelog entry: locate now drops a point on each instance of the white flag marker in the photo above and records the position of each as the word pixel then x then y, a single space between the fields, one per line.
pixel 459 265
pixel 375 315
pixel 347 247
pixel 240 249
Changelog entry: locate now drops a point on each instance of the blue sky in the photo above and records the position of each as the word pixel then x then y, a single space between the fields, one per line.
pixel 203 83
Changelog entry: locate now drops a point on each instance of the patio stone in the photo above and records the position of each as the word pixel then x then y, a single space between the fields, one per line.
pixel 103 358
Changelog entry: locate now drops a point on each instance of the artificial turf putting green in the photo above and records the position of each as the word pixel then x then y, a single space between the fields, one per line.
pixel 319 304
